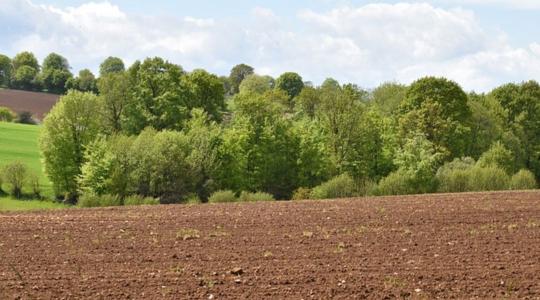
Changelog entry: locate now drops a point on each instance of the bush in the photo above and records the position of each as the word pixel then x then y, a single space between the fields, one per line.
pixel 6 114
pixel 301 193
pixel 15 175
pixel 222 196
pixel 490 178
pixel 33 182
pixel 523 180
pixel 498 156
pixel 140 200
pixel 25 117
pixel 90 200
pixel 342 186
pixel 397 183
pixel 255 197
pixel 455 176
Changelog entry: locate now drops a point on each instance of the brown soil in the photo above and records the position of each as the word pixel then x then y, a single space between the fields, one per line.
pixel 484 245
pixel 39 104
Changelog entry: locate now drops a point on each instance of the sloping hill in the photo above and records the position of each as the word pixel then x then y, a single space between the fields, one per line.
pixel 39 104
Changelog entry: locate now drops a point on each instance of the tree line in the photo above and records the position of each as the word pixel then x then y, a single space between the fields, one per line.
pixel 156 130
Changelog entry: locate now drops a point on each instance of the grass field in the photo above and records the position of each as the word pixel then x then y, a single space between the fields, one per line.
pixel 9 204
pixel 20 142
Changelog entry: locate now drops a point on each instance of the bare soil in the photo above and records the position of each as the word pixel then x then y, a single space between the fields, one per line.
pixel 477 245
pixel 39 104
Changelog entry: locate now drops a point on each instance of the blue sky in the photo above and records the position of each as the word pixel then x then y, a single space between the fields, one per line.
pixel 478 43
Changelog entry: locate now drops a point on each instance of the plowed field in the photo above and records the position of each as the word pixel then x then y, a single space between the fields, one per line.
pixel 483 245
pixel 39 104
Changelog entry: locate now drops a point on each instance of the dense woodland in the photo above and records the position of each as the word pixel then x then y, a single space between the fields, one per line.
pixel 156 130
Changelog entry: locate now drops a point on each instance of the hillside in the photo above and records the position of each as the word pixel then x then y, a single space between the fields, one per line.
pixel 39 104
pixel 20 142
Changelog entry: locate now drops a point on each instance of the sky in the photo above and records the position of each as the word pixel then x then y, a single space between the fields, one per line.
pixel 478 43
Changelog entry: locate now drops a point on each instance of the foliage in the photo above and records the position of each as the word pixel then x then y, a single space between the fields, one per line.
pixel 25 117
pixel 237 75
pixel 388 96
pixel 498 156
pixel 55 73
pixel 341 186
pixel 206 92
pixel 5 70
pixel 25 69
pixel 115 95
pixel 255 197
pixel 490 178
pixel 301 193
pixel 222 196
pixel 90 200
pixel 396 183
pixel 455 176
pixel 523 180
pixel 15 175
pixel 140 200
pixel 85 82
pixel 291 83
pixel 6 114
pixel 256 84
pixel 111 65
pixel 72 124
pixel 438 108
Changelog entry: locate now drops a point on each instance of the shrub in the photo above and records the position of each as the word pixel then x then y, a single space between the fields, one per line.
pixel 490 178
pixel 301 193
pixel 397 183
pixel 222 196
pixel 455 176
pixel 255 197
pixel 15 175
pixel 497 156
pixel 6 114
pixel 523 180
pixel 140 200
pixel 341 186
pixel 91 200
pixel 25 117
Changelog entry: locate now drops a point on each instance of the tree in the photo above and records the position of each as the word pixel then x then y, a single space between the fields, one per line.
pixel 206 92
pixel 438 108
pixel 308 101
pixel 85 82
pixel 70 126
pixel 55 73
pixel 111 65
pixel 115 95
pixel 238 74
pixel 160 98
pixel 256 84
pixel 259 151
pixel 204 138
pixel 388 96
pixel 5 70
pixel 291 83
pixel 15 175
pixel 25 70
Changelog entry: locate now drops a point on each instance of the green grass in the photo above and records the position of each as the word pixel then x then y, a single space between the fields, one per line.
pixel 9 204
pixel 20 142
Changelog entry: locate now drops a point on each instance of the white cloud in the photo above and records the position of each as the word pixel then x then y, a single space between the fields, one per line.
pixel 365 44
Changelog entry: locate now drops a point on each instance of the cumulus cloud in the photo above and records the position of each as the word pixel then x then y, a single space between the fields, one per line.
pixel 363 44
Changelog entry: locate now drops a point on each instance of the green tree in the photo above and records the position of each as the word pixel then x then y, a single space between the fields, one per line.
pixel 25 71
pixel 111 65
pixel 291 83
pixel 69 127
pixel 498 156
pixel 55 73
pixel 307 102
pixel 206 92
pixel 256 84
pixel 388 96
pixel 160 98
pixel 237 75
pixel 85 82
pixel 5 70
pixel 486 125
pixel 438 108
pixel 115 95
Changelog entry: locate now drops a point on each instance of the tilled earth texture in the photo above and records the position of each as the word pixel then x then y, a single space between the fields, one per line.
pixel 463 246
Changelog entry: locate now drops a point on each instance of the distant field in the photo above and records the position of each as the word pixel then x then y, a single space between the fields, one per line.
pixel 20 142
pixel 8 204
pixel 39 104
